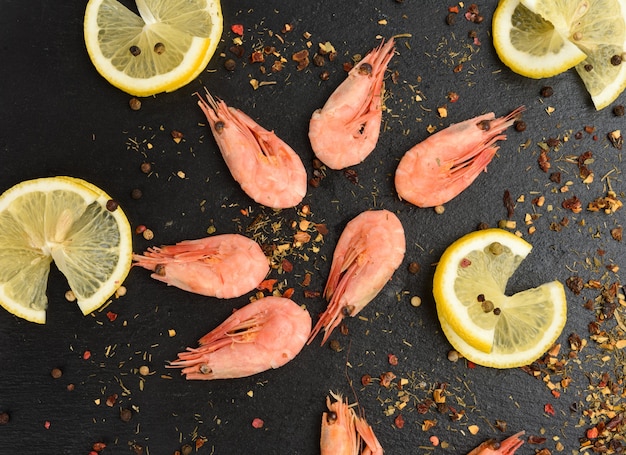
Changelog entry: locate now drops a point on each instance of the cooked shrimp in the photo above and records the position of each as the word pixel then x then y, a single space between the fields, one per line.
pixel 264 334
pixel 443 165
pixel 345 131
pixel 345 433
pixel 370 249
pixel 267 169
pixel 222 266
pixel 493 447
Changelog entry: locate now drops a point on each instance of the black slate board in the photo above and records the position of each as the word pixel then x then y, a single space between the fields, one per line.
pixel 59 117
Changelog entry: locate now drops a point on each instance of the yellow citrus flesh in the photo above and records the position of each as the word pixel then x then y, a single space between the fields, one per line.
pixel 478 318
pixel 65 220
pixel 528 44
pixel 164 48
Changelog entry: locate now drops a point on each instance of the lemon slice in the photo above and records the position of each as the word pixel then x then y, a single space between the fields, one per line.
pixel 530 45
pixel 65 220
pixel 478 318
pixel 598 28
pixel 164 48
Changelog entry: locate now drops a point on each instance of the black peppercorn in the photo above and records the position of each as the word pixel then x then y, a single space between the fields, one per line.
pixel 519 125
pixel 616 60
pixel 618 110
pixel 451 19
pixel 230 64
pixel 112 205
pixel 136 193
pixel 146 168
pixel 125 415
pixel 547 92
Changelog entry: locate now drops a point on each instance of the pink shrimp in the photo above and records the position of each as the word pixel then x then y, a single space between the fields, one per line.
pixel 222 266
pixel 345 131
pixel 370 249
pixel 493 447
pixel 267 169
pixel 264 334
pixel 439 168
pixel 345 433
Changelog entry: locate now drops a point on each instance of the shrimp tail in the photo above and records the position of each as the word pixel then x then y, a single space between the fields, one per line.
pixel 366 433
pixel 337 283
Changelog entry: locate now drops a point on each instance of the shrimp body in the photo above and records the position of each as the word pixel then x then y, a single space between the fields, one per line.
pixel 443 165
pixel 267 169
pixel 345 131
pixel 370 249
pixel 345 433
pixel 222 266
pixel 264 334
pixel 493 447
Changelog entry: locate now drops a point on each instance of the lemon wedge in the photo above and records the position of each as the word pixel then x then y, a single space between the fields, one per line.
pixel 162 49
pixel 530 45
pixel 71 222
pixel 478 318
pixel 542 38
pixel 598 28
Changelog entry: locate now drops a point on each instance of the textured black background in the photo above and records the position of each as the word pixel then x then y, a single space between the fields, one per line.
pixel 58 116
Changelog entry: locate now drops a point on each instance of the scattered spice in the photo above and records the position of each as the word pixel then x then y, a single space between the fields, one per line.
pixel 56 373
pixel 257 423
pixel 547 92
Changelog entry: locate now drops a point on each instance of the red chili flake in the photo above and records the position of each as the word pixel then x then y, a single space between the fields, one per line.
pixel 458 68
pixel 544 161
pixel 46 424
pixel 286 265
pixel 453 97
pixel 112 316
pixel 321 228
pixel 267 285
pixel 111 400
pixel 574 204
pixel 465 263
pixel 86 355
pixel 366 379
pixel 307 280
pixel 549 409
pixel 200 442
pixel 592 433
pixel 386 378
pixel 393 359
pixel 237 29
pixel 556 394
pixel 98 446
pixel 257 423
pixel 536 439
pixel 471 364
pixel 399 421
pixel 288 293
pixel 311 294
pixel 453 9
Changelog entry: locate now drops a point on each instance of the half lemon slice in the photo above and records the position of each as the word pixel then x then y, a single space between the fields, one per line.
pixel 68 221
pixel 530 45
pixel 480 321
pixel 164 48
